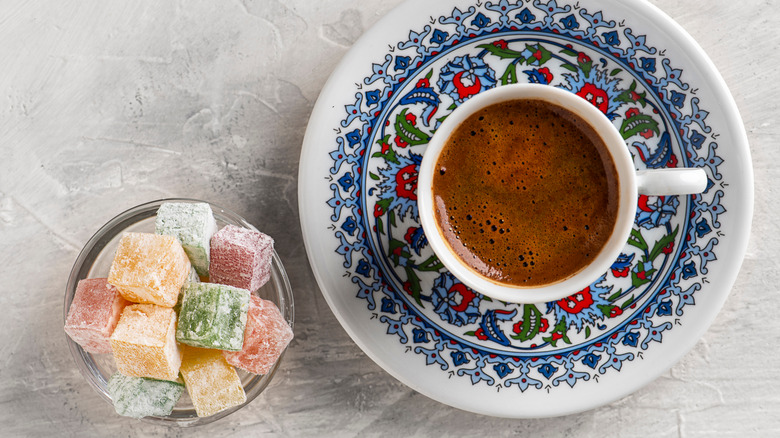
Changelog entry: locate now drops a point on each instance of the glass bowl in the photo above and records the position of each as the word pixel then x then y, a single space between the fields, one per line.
pixel 94 261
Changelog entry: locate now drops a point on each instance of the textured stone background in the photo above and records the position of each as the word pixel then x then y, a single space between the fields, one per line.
pixel 104 105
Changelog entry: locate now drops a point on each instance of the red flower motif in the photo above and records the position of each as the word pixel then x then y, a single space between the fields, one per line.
pixel 556 336
pixel 621 272
pixel 408 235
pixel 547 75
pixel 406 182
pixel 385 147
pixel 538 55
pixel 672 161
pixel 668 248
pixel 642 203
pixel 466 294
pixel 543 325
pixel 647 133
pixel 615 311
pixel 595 96
pixel 378 210
pixel 423 83
pixel 480 334
pixel 635 96
pixel 501 44
pixel 408 287
pixel 632 112
pixel 466 90
pixel 400 142
pixel 577 302
pixel 583 58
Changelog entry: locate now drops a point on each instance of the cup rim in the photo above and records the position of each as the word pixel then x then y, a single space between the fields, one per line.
pixel 627 192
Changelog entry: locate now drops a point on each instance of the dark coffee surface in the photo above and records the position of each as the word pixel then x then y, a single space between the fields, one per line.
pixel 525 192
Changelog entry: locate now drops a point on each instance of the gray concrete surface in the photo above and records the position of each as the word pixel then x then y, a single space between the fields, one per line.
pixel 105 105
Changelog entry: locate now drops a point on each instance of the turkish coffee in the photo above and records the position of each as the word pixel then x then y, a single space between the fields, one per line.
pixel 525 192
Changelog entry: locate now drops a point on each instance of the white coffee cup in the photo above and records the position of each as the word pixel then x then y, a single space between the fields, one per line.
pixel 630 184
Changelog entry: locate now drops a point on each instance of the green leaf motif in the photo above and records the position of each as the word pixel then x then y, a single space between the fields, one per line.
pixel 408 132
pixel 637 124
pixel 394 244
pixel 586 67
pixel 384 203
pixel 373 176
pixel 532 321
pixel 560 329
pixel 432 263
pixel 510 75
pixel 615 296
pixel 661 244
pixel 501 53
pixel 569 52
pixel 636 239
pixel 390 155
pixel 414 285
pixel 569 67
pixel 539 56
pixel 637 281
pixel 630 95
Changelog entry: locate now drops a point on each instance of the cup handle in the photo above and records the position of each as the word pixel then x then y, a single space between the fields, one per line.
pixel 661 182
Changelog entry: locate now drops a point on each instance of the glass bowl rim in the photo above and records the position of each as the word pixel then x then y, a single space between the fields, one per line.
pixel 87 257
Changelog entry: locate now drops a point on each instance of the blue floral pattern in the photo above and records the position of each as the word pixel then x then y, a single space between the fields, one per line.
pixel 453 301
pixel 382 138
pixel 464 77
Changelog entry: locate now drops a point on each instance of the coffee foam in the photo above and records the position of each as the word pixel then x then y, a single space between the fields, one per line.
pixel 523 193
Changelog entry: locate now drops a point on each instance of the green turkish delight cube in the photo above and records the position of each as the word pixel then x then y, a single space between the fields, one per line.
pixel 139 397
pixel 193 224
pixel 213 316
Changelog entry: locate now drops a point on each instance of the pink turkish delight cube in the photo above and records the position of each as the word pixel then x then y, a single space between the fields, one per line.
pixel 93 314
pixel 266 336
pixel 241 258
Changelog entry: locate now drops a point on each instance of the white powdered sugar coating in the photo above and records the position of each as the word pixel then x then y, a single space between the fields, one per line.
pixel 241 257
pixel 193 224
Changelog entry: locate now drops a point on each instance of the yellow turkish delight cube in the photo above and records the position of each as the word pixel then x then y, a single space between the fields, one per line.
pixel 144 342
pixel 149 268
pixel 212 383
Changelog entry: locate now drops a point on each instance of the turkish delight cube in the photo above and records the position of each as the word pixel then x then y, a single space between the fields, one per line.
pixel 93 314
pixel 149 268
pixel 144 342
pixel 213 316
pixel 212 383
pixel 193 224
pixel 193 278
pixel 267 335
pixel 139 397
pixel 241 257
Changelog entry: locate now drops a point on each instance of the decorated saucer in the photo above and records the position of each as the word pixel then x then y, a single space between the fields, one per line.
pixel 361 154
